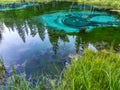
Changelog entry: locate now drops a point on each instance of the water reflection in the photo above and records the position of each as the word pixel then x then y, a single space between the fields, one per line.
pixel 1 29
pixel 35 48
pixel 0 36
pixel 55 36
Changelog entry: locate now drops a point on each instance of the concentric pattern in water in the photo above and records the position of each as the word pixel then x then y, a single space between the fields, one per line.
pixel 73 21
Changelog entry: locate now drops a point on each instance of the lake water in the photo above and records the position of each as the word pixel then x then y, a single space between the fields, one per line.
pixel 39 39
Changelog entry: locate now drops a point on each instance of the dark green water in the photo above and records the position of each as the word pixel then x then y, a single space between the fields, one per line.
pixel 37 48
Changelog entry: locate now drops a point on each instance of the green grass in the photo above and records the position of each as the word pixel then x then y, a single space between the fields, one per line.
pixel 91 71
pixel 112 3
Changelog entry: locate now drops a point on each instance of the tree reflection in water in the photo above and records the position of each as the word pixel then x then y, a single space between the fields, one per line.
pixel 0 36
pixel 1 29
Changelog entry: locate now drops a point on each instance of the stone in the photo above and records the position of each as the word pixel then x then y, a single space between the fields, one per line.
pixel 83 30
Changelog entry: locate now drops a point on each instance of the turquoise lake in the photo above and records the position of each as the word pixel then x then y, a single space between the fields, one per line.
pixel 40 39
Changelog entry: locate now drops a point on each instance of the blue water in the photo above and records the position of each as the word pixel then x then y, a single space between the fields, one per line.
pixel 16 6
pixel 73 21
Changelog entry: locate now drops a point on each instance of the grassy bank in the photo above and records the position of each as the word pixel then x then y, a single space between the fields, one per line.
pixel 111 3
pixel 91 71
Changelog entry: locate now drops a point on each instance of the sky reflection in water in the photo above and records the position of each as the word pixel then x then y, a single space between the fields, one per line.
pixel 34 53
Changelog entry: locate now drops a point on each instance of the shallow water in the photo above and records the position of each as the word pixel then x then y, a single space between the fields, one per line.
pixel 74 21
pixel 34 39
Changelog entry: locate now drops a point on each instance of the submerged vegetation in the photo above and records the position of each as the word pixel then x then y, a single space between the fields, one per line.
pixel 102 38
pixel 98 71
pixel 108 34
